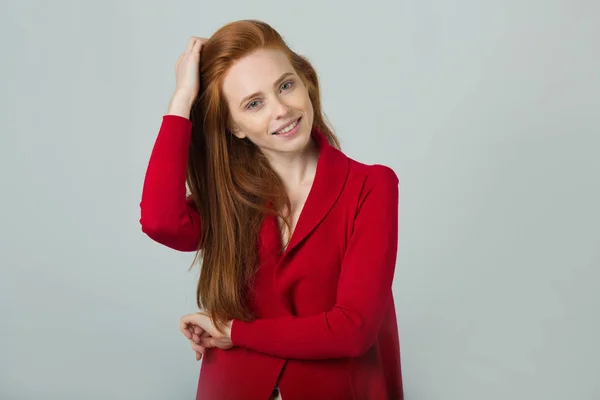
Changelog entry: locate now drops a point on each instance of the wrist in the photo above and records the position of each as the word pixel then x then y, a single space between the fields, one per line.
pixel 184 97
pixel 181 103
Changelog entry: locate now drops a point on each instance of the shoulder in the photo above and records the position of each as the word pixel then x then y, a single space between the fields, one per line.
pixel 372 175
pixel 373 184
pixel 359 180
pixel 372 190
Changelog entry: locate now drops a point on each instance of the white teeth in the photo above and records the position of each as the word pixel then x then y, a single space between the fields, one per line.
pixel 287 128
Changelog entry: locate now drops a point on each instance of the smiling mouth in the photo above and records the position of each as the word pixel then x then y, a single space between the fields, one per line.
pixel 288 128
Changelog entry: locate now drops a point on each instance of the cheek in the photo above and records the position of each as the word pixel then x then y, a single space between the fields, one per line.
pixel 309 109
pixel 244 120
pixel 309 106
pixel 260 121
pixel 302 101
pixel 255 125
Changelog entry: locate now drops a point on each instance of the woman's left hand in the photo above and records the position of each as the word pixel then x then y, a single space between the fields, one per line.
pixel 207 335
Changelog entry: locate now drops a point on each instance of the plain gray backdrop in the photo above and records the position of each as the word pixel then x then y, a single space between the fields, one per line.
pixel 488 111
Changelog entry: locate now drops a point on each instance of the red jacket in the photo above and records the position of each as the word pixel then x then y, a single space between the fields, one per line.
pixel 326 323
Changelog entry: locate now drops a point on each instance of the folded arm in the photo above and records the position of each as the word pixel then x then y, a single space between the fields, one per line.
pixel 364 293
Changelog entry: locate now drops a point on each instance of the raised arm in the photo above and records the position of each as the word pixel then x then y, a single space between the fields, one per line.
pixel 167 216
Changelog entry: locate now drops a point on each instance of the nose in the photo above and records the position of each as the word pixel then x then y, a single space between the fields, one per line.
pixel 280 108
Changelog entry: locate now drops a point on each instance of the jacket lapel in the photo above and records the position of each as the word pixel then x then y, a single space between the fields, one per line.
pixel 330 178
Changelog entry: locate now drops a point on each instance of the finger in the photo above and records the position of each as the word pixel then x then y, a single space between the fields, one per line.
pixel 208 343
pixel 190 44
pixel 196 338
pixel 199 338
pixel 183 327
pixel 198 333
pixel 198 356
pixel 197 348
pixel 197 46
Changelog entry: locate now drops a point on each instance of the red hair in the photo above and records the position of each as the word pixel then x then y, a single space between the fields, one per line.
pixel 230 180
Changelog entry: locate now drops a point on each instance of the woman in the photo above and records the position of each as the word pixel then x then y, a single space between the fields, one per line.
pixel 298 242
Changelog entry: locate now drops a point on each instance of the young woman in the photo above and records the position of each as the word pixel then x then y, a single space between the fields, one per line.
pixel 297 241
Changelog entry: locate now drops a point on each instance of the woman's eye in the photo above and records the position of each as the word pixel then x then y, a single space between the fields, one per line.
pixel 287 85
pixel 252 104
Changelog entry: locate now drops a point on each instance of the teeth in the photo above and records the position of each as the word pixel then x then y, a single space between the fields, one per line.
pixel 287 128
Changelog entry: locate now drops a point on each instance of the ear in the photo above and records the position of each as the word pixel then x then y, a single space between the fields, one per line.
pixel 237 132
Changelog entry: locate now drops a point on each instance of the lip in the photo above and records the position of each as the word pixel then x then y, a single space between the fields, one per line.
pixel 286 124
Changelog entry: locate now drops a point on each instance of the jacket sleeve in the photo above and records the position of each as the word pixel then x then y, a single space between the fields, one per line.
pixel 167 216
pixel 364 292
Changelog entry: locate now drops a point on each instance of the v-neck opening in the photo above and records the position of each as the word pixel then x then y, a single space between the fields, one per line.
pixel 328 182
pixel 283 250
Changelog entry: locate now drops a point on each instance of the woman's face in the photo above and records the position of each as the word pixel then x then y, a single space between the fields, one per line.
pixel 269 103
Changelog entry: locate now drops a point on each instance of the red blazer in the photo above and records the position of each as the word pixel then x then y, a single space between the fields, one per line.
pixel 326 323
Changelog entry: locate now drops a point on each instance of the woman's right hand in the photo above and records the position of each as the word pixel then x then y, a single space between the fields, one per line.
pixel 187 68
pixel 196 334
pixel 187 75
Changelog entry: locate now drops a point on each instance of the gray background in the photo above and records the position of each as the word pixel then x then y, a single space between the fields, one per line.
pixel 488 111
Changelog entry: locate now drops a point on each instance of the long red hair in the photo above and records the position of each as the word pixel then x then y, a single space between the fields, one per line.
pixel 230 180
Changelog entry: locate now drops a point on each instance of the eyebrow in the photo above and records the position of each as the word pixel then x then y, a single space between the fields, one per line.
pixel 277 82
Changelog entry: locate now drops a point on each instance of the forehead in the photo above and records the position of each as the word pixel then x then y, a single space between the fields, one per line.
pixel 254 73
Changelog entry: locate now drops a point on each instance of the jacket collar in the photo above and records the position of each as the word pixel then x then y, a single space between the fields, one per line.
pixel 330 178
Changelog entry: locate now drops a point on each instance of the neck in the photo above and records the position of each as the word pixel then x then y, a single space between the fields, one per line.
pixel 296 169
